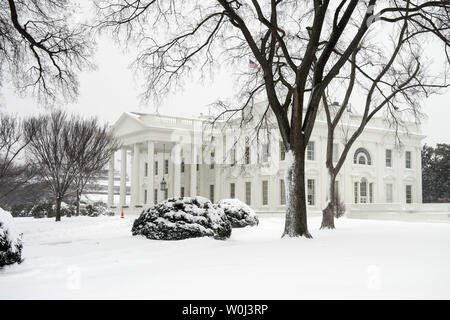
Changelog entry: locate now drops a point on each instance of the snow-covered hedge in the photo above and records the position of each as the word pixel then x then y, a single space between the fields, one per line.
pixel 238 213
pixel 95 209
pixel 87 208
pixel 182 218
pixel 10 240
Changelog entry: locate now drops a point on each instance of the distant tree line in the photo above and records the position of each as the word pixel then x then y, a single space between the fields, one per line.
pixel 436 173
pixel 51 157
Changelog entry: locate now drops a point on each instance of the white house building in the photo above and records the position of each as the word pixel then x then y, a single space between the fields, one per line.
pixel 230 160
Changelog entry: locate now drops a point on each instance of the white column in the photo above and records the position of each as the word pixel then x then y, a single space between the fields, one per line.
pixel 123 176
pixel 176 159
pixel 380 164
pixel 419 175
pixel 135 176
pixel 193 187
pixel 219 152
pixel 150 171
pixel 111 182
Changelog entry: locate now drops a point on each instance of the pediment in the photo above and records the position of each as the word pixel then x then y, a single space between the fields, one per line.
pixel 127 124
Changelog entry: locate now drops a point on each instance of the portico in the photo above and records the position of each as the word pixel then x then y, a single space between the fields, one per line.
pixel 156 148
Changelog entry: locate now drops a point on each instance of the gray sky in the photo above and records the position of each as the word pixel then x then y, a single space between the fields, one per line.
pixel 111 90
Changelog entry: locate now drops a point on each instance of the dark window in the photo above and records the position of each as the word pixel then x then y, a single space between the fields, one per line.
pixel 166 166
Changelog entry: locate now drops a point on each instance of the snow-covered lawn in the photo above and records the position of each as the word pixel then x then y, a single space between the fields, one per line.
pixel 98 258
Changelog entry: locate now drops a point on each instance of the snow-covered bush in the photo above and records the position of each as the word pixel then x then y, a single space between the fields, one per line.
pixel 21 210
pixel 42 210
pixel 95 209
pixel 10 240
pixel 91 209
pixel 182 218
pixel 238 213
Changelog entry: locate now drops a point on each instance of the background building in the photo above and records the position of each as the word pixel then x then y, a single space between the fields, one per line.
pixel 234 160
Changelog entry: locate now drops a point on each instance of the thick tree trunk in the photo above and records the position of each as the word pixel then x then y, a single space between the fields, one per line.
pixel 58 209
pixel 329 211
pixel 296 219
pixel 78 202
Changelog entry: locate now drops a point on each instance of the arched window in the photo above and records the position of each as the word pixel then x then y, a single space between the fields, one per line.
pixel 362 159
pixel 362 156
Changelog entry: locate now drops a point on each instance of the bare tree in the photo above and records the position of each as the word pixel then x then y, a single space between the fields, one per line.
pixel 51 148
pixel 12 143
pixel 95 145
pixel 69 151
pixel 394 83
pixel 300 47
pixel 42 48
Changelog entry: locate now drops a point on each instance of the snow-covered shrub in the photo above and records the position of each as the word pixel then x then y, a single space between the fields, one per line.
pixel 42 210
pixel 238 213
pixel 66 210
pixel 95 209
pixel 21 210
pixel 10 240
pixel 48 210
pixel 182 218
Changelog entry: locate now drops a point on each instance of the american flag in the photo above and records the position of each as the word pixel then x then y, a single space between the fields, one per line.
pixel 254 65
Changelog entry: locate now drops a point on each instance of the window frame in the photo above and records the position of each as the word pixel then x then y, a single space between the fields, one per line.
pixel 311 192
pixel 388 159
pixel 310 151
pixel 265 192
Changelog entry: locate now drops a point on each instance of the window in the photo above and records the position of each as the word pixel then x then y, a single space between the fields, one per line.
pixel 265 152
pixel 362 159
pixel 282 192
pixel 388 158
pixel 156 168
pixel 311 192
pixel 211 166
pixel 182 192
pixel 408 159
pixel 225 151
pixel 247 151
pixel 233 156
pixel 198 166
pixel 389 193
pixel 371 192
pixel 166 166
pixel 166 194
pixel 248 193
pixel 362 156
pixel 247 155
pixel 232 190
pixel 310 151
pixel 408 193
pixel 356 192
pixel 155 196
pixel 211 193
pixel 145 196
pixel 363 191
pixel 335 152
pixel 265 192
pixel 146 171
pixel 282 151
pixel 182 166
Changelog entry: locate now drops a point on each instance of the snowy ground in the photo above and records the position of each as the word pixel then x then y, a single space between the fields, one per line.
pixel 98 258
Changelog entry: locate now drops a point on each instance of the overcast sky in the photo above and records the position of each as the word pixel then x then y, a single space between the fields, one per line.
pixel 111 90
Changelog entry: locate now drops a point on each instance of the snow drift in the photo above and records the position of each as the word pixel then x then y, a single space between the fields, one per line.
pixel 182 218
pixel 238 213
pixel 10 240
